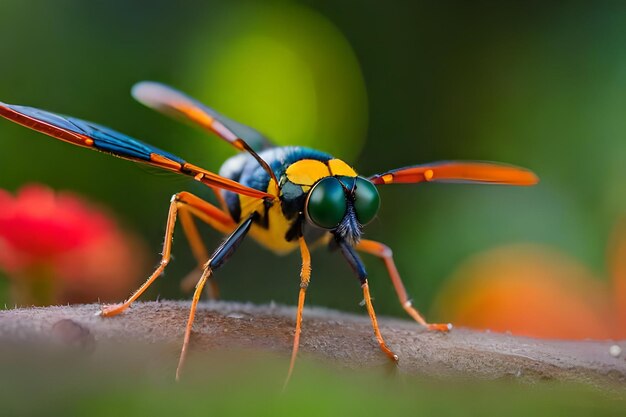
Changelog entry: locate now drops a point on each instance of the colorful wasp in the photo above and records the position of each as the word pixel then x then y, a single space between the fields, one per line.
pixel 285 197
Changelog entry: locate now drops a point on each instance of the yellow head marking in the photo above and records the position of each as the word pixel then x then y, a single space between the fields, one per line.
pixel 307 172
pixel 338 167
pixel 428 174
pixel 387 178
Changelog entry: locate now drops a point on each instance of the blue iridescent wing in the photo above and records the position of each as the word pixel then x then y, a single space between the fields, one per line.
pixel 91 135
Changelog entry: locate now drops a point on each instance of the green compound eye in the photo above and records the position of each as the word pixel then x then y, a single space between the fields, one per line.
pixel 366 200
pixel 326 204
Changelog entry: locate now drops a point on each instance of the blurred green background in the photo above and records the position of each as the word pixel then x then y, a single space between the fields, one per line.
pixel 214 387
pixel 532 84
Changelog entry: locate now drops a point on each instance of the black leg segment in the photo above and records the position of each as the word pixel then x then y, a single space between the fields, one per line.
pixel 221 255
pixel 228 247
pixel 354 260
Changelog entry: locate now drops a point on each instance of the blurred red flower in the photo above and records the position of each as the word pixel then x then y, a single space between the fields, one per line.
pixel 534 290
pixel 57 248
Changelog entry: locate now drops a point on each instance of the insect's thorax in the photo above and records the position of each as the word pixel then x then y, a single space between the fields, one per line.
pixel 297 169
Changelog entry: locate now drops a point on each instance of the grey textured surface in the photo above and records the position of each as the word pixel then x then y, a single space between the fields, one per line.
pixel 345 339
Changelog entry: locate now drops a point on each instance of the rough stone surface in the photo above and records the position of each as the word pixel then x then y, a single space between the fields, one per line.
pixel 345 339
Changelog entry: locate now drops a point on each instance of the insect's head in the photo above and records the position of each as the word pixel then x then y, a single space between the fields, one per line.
pixel 342 204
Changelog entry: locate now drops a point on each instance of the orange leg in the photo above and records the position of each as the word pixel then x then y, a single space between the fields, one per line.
pixel 220 198
pixel 192 314
pixel 357 265
pixel 221 255
pixel 180 202
pixel 382 251
pixel 199 252
pixel 370 311
pixel 185 214
pixel 305 278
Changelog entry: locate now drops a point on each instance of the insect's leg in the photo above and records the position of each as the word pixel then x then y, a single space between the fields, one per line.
pixel 219 257
pixel 357 265
pixel 305 277
pixel 214 217
pixel 220 198
pixel 384 252
pixel 199 252
pixel 204 210
pixel 192 314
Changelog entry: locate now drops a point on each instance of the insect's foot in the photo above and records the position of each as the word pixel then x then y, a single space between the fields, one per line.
pixel 439 327
pixel 111 310
pixel 394 358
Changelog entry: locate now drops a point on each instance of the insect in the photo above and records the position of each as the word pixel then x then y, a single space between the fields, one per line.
pixel 286 198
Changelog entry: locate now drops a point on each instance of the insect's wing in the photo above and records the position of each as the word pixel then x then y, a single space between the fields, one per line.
pixel 177 104
pixel 459 172
pixel 100 138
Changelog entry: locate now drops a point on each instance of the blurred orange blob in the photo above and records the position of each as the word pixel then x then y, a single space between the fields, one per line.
pixel 57 248
pixel 533 290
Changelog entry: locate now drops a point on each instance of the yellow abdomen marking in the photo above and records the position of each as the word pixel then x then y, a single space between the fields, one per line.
pixel 273 237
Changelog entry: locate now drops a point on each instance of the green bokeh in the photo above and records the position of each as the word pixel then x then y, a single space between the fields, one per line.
pixel 287 71
pixel 240 384
pixel 539 86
